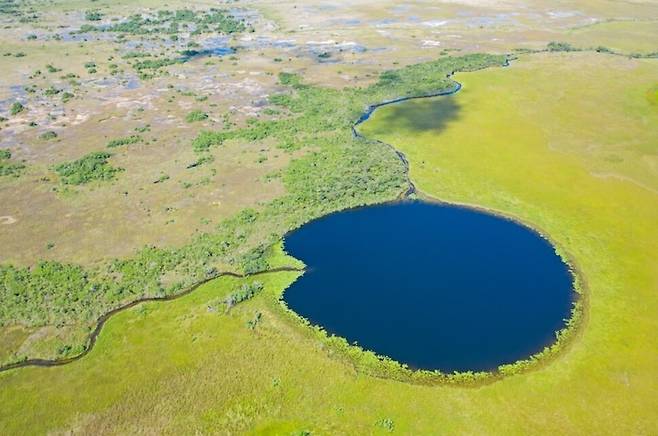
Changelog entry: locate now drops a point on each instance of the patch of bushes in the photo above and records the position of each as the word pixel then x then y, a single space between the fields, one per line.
pixel 129 140
pixel 170 22
pixel 93 16
pixel 16 108
pixel 47 136
pixel 195 116
pixel 7 167
pixel 560 46
pixel 52 69
pixel 92 167
pixel 154 64
pixel 245 292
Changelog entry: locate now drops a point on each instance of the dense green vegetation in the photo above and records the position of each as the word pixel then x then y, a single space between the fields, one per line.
pixel 172 22
pixel 561 46
pixel 16 108
pixel 196 115
pixel 50 134
pixel 337 172
pixel 9 167
pixel 91 167
pixel 128 140
pixel 245 292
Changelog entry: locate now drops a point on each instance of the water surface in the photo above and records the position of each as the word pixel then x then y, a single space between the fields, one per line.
pixel 432 286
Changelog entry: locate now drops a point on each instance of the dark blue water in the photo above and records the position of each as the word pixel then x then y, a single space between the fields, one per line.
pixel 432 286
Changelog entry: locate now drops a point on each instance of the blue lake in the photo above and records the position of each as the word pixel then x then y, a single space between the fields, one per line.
pixel 433 286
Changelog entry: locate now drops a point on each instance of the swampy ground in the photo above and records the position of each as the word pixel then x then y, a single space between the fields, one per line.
pixel 138 163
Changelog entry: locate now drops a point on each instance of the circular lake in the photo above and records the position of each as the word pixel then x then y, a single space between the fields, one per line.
pixel 433 286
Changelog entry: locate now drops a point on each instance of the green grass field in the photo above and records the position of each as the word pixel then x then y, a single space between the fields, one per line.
pixel 178 367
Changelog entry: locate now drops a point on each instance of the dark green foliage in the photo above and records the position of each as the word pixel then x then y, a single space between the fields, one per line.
pixel 254 261
pixel 93 16
pixel 91 167
pixel 290 79
pixel 196 115
pixel 389 77
pixel 651 55
pixel 49 92
pixel 560 46
pixel 168 22
pixel 7 167
pixel 66 288
pixel 128 140
pixel 188 53
pixel 253 323
pixel 16 108
pixel 386 424
pixel 245 292
pixel 204 159
pixel 206 139
pixel 52 69
pixel 154 64
pixel 162 178
pixel 87 28
pixel 136 54
pixel 48 135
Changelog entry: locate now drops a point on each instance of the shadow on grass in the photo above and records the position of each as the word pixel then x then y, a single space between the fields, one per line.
pixel 423 115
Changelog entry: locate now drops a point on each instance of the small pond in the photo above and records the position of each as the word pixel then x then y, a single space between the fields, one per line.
pixel 433 286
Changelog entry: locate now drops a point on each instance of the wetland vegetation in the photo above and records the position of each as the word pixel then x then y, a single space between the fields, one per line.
pixel 342 171
pixel 114 207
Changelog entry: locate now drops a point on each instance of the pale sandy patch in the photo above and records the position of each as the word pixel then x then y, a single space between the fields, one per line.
pixel 7 219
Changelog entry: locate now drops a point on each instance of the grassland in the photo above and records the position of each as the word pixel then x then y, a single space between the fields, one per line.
pixel 574 157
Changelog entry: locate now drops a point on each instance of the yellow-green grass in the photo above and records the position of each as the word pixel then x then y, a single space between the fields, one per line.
pixel 177 367
pixel 531 142
pixel 631 36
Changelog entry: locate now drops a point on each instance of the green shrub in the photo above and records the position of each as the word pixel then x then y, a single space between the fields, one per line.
pixel 196 115
pixel 132 139
pixel 93 16
pixel 52 69
pixel 386 424
pixel 48 135
pixel 7 167
pixel 560 46
pixel 91 167
pixel 16 108
pixel 243 293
